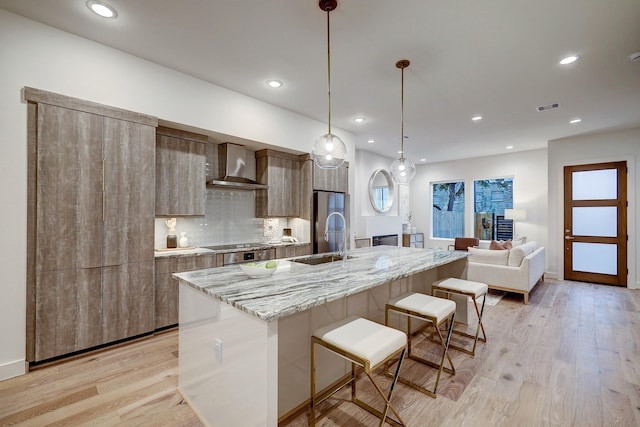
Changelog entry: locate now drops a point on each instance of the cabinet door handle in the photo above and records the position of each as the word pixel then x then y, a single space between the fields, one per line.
pixel 104 194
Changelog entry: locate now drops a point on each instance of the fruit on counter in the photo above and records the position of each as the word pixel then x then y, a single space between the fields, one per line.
pixel 271 264
pixel 251 264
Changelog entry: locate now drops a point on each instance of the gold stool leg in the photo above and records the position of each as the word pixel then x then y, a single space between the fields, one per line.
pixel 312 421
pixel 445 354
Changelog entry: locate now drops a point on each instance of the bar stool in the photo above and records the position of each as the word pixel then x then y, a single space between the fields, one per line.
pixel 473 290
pixel 430 309
pixel 364 343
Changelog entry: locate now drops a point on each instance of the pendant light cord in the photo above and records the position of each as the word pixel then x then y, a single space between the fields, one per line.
pixel 402 115
pixel 329 66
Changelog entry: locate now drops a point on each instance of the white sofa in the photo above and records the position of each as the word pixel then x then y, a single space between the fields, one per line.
pixel 517 269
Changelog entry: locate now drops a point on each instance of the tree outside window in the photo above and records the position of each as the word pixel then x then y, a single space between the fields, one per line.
pixel 448 209
pixel 491 197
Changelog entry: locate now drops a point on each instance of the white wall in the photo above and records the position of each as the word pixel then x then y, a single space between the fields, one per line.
pixel 529 172
pixel 595 148
pixel 39 56
pixel 368 222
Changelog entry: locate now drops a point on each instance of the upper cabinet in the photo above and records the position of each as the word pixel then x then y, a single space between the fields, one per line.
pixel 281 172
pixel 180 173
pixel 329 179
pixel 313 178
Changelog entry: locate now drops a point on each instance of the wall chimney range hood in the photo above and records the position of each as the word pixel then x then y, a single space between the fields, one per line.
pixel 231 168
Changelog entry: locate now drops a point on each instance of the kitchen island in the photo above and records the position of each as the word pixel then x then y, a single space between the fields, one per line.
pixel 244 343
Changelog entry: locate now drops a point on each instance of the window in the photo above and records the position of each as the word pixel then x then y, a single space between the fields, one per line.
pixel 381 195
pixel 491 197
pixel 448 209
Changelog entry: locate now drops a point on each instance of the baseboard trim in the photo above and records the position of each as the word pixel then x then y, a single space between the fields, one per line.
pixel 12 369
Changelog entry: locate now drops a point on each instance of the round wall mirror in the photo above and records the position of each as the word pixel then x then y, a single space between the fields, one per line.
pixel 381 190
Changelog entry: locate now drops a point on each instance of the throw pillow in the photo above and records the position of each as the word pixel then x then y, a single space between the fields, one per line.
pixel 486 256
pixel 500 245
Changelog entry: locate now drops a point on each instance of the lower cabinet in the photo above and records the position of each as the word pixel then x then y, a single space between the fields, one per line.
pixel 166 292
pixel 414 240
pixel 291 251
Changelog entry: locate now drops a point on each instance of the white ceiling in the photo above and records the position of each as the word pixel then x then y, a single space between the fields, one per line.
pixel 497 58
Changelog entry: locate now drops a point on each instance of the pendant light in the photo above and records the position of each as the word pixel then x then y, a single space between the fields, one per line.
pixel 402 170
pixel 329 152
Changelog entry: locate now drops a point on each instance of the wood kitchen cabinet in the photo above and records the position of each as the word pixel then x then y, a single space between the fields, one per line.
pixel 90 224
pixel 313 178
pixel 331 179
pixel 291 251
pixel 166 287
pixel 281 172
pixel 180 173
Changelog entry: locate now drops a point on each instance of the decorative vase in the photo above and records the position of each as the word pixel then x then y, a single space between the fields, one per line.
pixel 184 242
pixel 172 241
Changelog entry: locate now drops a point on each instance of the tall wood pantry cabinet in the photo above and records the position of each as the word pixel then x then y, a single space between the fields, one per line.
pixel 91 203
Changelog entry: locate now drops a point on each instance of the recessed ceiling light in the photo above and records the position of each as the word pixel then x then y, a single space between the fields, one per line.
pixel 102 9
pixel 569 59
pixel 476 118
pixel 423 160
pixel 371 141
pixel 509 147
pixel 274 83
pixel 576 120
pixel 359 119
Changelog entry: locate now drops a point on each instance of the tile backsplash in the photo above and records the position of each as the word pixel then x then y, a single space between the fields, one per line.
pixel 229 218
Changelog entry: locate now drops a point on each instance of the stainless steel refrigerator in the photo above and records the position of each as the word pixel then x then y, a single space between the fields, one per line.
pixel 325 203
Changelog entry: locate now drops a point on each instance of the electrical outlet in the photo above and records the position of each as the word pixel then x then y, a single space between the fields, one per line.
pixel 219 350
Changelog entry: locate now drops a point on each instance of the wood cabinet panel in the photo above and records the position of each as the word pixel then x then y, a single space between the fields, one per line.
pixel 68 313
pixel 281 172
pixel 166 288
pixel 129 192
pixel 180 173
pixel 331 179
pixel 291 251
pixel 127 300
pixel 69 189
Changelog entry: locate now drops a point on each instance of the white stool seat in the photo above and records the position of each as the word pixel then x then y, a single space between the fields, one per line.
pixel 463 286
pixel 366 339
pixel 426 305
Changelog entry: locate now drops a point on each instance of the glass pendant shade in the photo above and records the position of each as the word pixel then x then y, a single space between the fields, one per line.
pixel 402 170
pixel 329 152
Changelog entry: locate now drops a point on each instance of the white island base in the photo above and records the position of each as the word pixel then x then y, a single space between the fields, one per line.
pixel 238 370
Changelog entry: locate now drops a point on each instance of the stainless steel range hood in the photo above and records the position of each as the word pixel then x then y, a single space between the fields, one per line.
pixel 231 166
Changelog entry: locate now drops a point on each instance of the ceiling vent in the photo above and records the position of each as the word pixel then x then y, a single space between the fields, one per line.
pixel 548 107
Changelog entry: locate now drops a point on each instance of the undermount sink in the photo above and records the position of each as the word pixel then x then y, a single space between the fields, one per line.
pixel 315 260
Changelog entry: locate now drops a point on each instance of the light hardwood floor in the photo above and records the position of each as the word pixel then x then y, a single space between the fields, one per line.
pixel 569 358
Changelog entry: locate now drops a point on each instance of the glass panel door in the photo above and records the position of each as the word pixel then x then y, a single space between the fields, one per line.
pixel 595 229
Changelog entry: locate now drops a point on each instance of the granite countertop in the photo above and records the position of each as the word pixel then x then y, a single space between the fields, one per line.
pixel 165 253
pixel 296 287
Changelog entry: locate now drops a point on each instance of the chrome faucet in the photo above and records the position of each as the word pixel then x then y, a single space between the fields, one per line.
pixel 343 231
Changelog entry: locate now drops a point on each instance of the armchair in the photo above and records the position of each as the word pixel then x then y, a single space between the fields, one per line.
pixel 462 243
